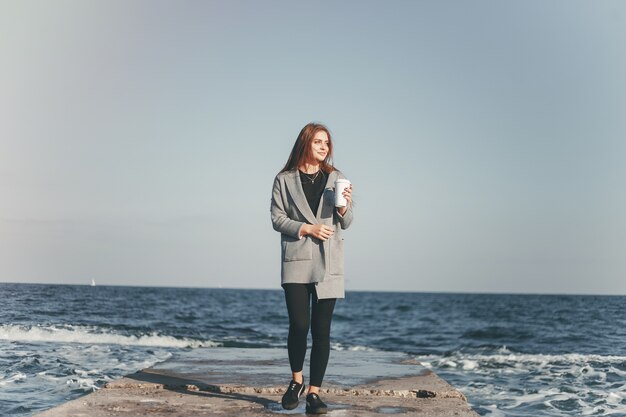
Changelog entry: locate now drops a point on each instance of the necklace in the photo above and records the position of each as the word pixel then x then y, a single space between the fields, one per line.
pixel 313 178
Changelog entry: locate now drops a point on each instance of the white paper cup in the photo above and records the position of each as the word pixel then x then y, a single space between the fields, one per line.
pixel 340 185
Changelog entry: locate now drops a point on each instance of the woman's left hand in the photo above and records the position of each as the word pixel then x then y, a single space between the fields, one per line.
pixel 347 194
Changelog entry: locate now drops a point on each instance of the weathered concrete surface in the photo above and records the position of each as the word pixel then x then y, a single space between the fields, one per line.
pixel 250 382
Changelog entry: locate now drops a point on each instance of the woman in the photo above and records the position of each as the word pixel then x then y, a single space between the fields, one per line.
pixel 303 211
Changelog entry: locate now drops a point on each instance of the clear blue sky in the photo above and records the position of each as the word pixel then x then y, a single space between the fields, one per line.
pixel 485 140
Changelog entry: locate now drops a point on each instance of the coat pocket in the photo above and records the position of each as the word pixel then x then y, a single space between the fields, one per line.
pixel 336 256
pixel 297 249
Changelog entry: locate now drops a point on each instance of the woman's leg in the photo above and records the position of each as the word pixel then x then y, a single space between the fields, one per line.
pixel 320 330
pixel 297 299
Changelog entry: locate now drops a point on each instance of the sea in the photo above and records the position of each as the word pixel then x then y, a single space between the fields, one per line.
pixel 511 355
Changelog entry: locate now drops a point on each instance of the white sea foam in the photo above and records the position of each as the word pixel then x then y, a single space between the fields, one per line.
pixel 88 335
pixel 357 348
pixel 579 380
pixel 616 397
pixel 13 378
pixel 522 361
pixel 85 384
pixel 468 364
pixel 494 412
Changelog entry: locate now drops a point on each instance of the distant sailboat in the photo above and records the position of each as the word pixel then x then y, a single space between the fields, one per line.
pixel 93 283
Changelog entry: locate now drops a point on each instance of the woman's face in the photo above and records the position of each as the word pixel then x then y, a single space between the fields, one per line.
pixel 319 146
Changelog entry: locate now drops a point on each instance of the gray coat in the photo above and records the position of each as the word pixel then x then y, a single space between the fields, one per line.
pixel 308 259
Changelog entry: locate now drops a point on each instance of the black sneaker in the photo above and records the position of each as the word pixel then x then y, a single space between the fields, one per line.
pixel 291 398
pixel 315 405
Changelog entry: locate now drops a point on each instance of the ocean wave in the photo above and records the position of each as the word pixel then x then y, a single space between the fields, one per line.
pixel 94 335
pixel 19 376
pixel 565 384
pixel 356 348
pixel 505 359
pixel 82 384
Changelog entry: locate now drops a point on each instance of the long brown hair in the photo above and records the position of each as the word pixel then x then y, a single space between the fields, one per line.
pixel 302 150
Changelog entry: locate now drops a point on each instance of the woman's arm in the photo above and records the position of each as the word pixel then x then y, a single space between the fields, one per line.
pixel 280 221
pixel 346 219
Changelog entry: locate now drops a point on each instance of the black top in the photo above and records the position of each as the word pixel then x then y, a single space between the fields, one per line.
pixel 313 189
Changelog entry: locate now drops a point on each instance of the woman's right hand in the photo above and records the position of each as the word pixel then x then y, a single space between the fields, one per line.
pixel 319 231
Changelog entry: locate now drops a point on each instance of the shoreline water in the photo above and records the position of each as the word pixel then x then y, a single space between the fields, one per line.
pixel 519 355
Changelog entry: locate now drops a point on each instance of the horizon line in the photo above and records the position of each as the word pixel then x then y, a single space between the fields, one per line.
pixel 347 291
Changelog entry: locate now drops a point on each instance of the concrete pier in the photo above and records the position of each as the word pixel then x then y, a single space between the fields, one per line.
pixel 250 382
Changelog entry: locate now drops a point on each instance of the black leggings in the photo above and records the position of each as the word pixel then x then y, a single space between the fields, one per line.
pixel 298 298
